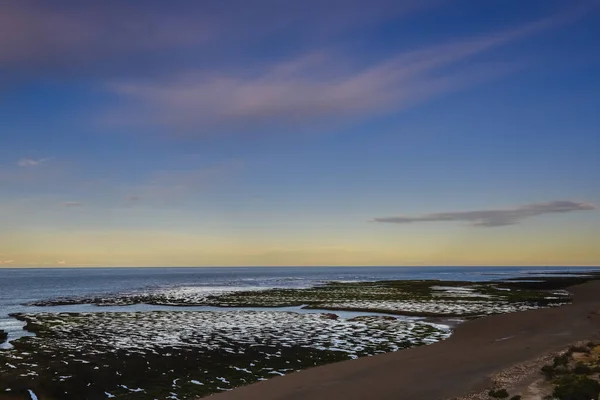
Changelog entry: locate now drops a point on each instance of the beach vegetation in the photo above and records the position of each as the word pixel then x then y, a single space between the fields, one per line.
pixel 548 371
pixel 580 349
pixel 561 360
pixel 582 369
pixel 576 387
pixel 498 393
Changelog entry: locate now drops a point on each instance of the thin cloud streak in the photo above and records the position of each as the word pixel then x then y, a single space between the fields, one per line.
pixel 312 88
pixel 112 37
pixel 495 217
pixel 30 162
pixel 64 32
pixel 72 204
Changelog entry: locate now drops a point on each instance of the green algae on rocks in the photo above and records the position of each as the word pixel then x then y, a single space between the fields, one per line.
pixel 408 297
pixel 419 298
pixel 186 354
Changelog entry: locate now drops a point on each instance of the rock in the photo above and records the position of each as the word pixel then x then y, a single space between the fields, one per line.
pixel 366 318
pixel 3 336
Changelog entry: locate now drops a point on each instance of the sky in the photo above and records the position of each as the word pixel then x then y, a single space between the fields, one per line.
pixel 313 132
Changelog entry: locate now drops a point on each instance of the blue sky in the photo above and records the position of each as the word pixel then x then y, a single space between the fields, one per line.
pixel 300 133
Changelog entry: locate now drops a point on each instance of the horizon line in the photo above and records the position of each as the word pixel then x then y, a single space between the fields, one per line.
pixel 300 266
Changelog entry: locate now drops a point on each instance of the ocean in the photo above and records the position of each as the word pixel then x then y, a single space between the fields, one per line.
pixel 20 286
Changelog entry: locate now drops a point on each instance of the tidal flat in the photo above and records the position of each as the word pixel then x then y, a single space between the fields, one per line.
pixel 187 354
pixel 432 298
pixel 181 355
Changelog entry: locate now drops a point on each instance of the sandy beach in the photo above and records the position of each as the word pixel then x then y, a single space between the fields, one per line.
pixel 448 369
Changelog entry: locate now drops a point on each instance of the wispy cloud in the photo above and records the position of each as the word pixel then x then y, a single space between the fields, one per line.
pixel 314 87
pixel 31 162
pixel 186 79
pixel 72 204
pixel 494 217
pixel 42 171
pixel 113 37
pixel 62 32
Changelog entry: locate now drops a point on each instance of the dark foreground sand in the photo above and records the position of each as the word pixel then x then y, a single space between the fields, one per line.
pixel 452 368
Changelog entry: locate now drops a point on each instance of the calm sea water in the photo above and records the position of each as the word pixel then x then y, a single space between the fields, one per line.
pixel 20 286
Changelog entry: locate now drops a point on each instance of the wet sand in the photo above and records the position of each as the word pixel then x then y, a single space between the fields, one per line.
pixel 447 369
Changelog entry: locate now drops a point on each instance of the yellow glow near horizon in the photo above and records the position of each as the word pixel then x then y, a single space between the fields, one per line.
pixel 135 248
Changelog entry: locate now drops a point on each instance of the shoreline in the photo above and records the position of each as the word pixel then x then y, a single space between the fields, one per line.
pixel 435 301
pixel 301 341
pixel 455 367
